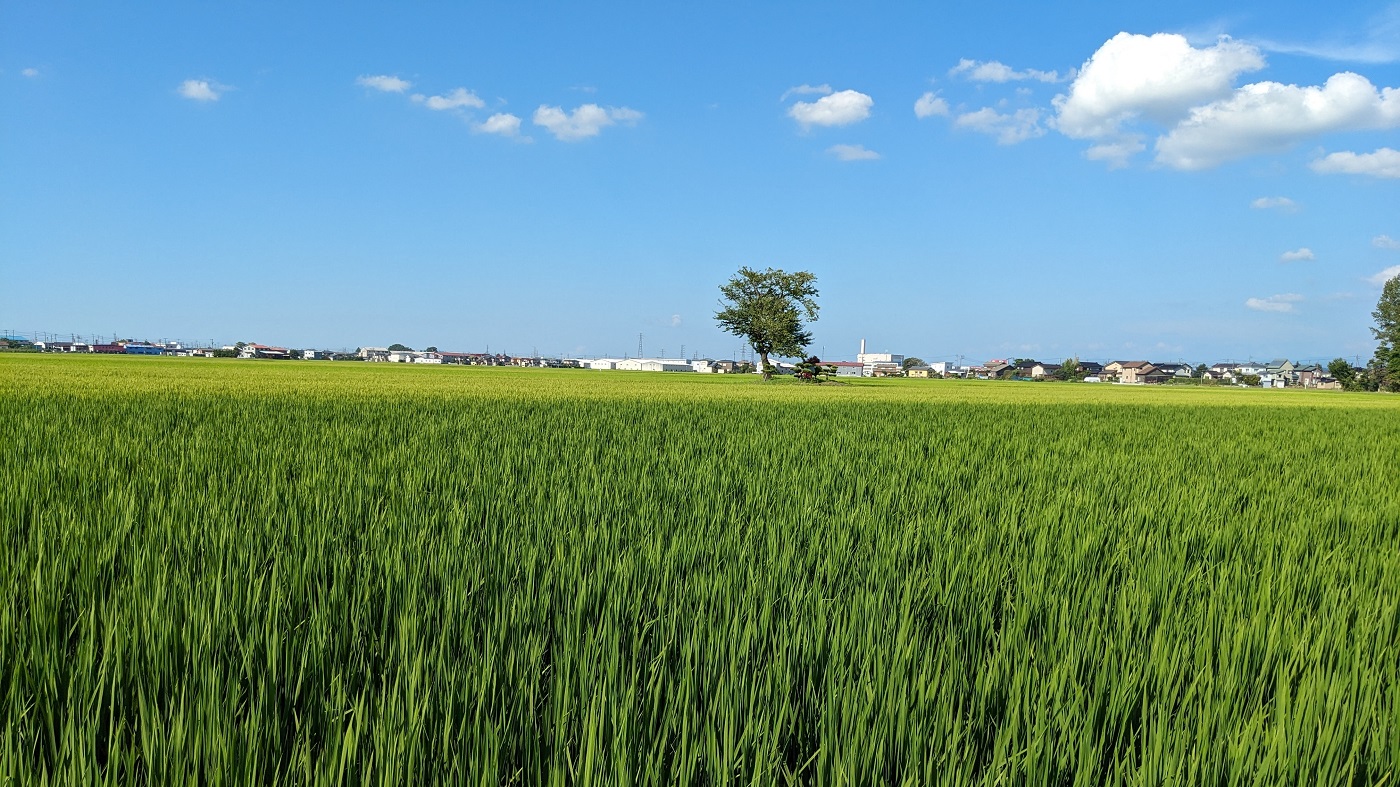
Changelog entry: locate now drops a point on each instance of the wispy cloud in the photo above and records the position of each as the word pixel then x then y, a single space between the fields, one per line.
pixel 994 71
pixel 29 72
pixel 1274 303
pixel 805 90
pixel 1377 42
pixel 201 90
pixel 1298 255
pixel 852 153
pixel 1009 128
pixel 1385 242
pixel 1282 204
pixel 461 98
pixel 384 83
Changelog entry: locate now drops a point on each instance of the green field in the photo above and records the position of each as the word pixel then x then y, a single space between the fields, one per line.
pixel 226 572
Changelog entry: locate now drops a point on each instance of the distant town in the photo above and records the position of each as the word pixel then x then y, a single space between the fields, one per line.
pixel 1277 373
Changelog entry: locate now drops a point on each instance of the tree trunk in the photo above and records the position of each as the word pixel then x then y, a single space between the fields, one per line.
pixel 765 368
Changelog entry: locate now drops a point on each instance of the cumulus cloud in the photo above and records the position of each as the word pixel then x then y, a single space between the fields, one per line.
pixel 837 109
pixel 29 72
pixel 502 123
pixel 1008 128
pixel 1158 77
pixel 1385 242
pixel 675 321
pixel 384 83
pixel 1385 275
pixel 928 105
pixel 1384 163
pixel 1275 203
pixel 201 90
pixel 852 153
pixel 584 121
pixel 1269 116
pixel 1298 255
pixel 1274 303
pixel 993 71
pixel 805 90
pixel 458 99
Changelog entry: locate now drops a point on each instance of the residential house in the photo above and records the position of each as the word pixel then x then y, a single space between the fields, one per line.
pixel 921 372
pixel 847 368
pixel 1175 369
pixel 1042 370
pixel 1023 368
pixel 1155 376
pixel 994 369
pixel 1129 372
pixel 1221 371
pixel 263 351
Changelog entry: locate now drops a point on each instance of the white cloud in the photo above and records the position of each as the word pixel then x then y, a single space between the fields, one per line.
pixel 928 105
pixel 1275 203
pixel 837 109
pixel 584 121
pixel 852 153
pixel 29 72
pixel 1384 163
pixel 1010 128
pixel 457 99
pixel 384 82
pixel 993 71
pixel 1274 303
pixel 1385 242
pixel 1298 255
pixel 201 90
pixel 1158 77
pixel 501 123
pixel 1269 116
pixel 675 321
pixel 1385 275
pixel 805 90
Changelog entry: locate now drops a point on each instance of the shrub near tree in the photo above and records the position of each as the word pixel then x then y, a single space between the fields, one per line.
pixel 813 371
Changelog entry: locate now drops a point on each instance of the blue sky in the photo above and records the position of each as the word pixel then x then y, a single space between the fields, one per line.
pixel 1203 181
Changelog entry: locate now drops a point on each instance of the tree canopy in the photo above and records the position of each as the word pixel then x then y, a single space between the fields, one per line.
pixel 768 309
pixel 1385 365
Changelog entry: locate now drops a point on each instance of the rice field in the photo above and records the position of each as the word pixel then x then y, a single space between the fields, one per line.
pixel 239 572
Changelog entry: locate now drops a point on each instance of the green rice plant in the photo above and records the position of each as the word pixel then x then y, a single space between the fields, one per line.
pixel 294 573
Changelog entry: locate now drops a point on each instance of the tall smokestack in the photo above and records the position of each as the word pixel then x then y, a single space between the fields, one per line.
pixel 862 347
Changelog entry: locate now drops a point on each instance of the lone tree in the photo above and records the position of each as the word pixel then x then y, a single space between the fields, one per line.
pixel 1386 363
pixel 767 308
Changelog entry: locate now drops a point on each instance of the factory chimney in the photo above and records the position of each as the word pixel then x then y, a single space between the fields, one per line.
pixel 862 347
